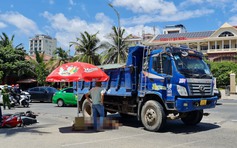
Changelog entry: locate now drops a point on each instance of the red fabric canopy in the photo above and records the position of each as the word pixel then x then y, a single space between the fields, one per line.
pixel 77 71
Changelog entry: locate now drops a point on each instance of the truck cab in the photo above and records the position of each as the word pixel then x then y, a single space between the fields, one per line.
pixel 180 76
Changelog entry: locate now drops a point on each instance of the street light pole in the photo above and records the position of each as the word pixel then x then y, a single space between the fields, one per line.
pixel 117 13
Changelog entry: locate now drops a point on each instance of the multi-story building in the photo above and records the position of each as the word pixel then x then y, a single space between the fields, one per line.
pixel 174 29
pixel 133 40
pixel 42 43
pixel 217 45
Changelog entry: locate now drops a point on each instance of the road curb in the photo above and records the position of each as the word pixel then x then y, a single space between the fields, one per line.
pixel 231 96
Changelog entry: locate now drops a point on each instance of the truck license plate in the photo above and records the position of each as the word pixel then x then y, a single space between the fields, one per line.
pixel 203 102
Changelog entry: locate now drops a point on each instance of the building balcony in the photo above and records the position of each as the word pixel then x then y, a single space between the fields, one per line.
pixel 226 50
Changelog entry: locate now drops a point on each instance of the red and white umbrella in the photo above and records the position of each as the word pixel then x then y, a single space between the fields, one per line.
pixel 77 71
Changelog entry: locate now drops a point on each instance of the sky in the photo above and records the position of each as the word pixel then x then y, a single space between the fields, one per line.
pixel 66 19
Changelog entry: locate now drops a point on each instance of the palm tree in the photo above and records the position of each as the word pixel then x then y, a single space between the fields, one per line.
pixel 62 57
pixel 87 47
pixel 12 64
pixel 39 67
pixel 5 41
pixel 117 52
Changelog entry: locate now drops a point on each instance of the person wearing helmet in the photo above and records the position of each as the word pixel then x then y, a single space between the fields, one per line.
pixel 17 89
pixel 5 95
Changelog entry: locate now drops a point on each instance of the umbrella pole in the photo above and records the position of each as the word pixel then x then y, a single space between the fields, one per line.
pixel 78 106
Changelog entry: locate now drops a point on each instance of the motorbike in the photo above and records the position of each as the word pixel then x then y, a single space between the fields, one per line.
pixel 22 99
pixel 18 119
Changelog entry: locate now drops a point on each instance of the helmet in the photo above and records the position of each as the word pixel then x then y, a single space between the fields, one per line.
pixel 5 85
pixel 12 85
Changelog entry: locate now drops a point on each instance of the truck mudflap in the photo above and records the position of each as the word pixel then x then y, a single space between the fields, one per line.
pixel 191 104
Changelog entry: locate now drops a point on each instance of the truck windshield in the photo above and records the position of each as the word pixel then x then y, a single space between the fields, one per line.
pixel 191 66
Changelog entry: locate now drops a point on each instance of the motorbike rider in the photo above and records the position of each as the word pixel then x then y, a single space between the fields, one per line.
pixel 15 92
pixel 17 89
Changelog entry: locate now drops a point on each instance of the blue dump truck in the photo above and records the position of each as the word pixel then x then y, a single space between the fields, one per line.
pixel 155 85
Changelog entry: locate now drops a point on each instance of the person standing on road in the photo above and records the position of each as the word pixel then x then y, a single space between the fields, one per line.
pixel 97 95
pixel 5 95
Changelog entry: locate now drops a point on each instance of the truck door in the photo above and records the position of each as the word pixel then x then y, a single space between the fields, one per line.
pixel 161 69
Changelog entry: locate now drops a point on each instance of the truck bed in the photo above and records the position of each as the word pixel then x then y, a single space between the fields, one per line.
pixel 122 81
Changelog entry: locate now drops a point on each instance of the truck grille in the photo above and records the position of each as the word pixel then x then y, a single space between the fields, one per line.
pixel 200 87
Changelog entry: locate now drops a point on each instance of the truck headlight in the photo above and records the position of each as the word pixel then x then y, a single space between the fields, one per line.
pixel 182 90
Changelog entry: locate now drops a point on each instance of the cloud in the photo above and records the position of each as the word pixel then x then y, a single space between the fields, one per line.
pixel 138 30
pixel 181 15
pixel 22 23
pixel 206 3
pixel 233 20
pixel 51 2
pixel 2 25
pixel 234 7
pixel 66 30
pixel 151 7
pixel 71 2
pixel 160 11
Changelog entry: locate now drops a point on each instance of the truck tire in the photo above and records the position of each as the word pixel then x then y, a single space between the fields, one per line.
pixel 193 117
pixel 153 116
pixel 86 108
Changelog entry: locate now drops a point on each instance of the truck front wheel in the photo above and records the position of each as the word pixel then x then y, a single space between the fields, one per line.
pixel 153 116
pixel 86 108
pixel 193 117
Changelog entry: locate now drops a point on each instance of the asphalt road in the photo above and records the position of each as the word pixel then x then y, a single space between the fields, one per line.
pixel 218 130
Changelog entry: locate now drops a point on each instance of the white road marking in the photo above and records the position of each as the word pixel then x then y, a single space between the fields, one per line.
pixel 102 140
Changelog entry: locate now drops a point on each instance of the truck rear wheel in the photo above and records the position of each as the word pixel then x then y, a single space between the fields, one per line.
pixel 193 117
pixel 86 108
pixel 153 116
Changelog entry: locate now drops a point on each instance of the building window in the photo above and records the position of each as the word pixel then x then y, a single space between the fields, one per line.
pixel 204 47
pixel 226 34
pixel 213 47
pixel 226 46
pixel 217 46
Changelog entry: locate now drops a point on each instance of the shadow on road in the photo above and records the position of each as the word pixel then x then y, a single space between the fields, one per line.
pixel 68 130
pixel 177 127
pixel 27 129
pixel 173 126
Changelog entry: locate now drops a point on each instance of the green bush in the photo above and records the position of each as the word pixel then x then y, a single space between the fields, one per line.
pixel 222 71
